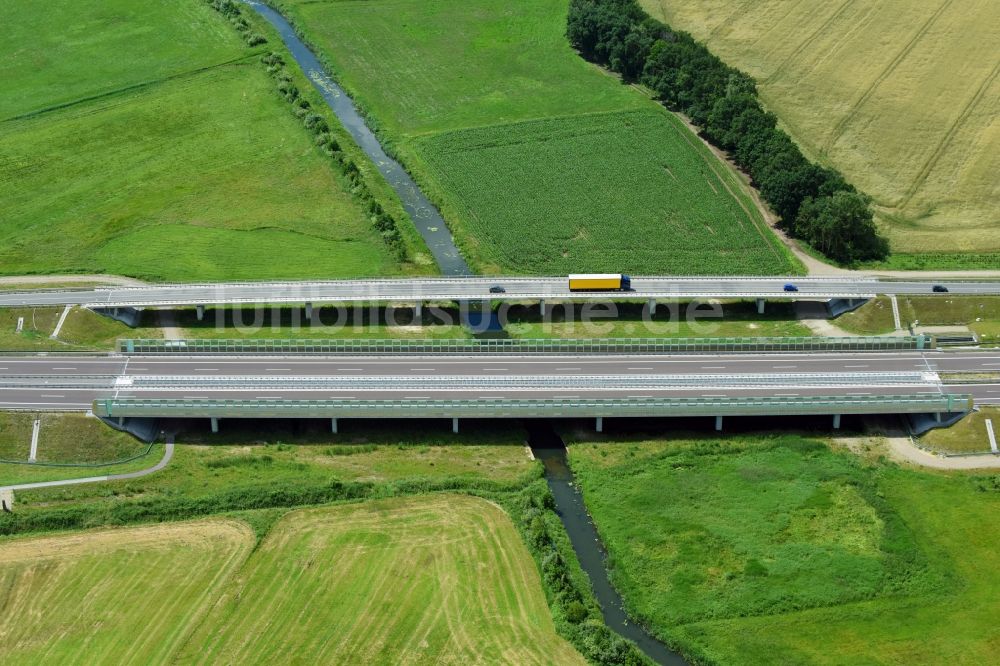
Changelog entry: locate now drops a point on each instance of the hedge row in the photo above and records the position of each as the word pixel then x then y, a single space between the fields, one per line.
pixel 577 615
pixel 382 221
pixel 814 203
pixel 231 10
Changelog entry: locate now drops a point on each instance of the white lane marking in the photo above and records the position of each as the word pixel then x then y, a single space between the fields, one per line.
pixel 496 369
pixel 277 369
pixel 568 368
pixel 268 397
pixel 421 369
pixel 206 369
pixel 415 397
pixel 33 454
pixel 856 366
pixel 786 395
pixel 992 365
pixel 713 395
pixel 349 369
pixel 51 395
pixel 783 367
pixel 638 368
pixel 849 393
pixel 565 397
pixel 714 367
pixel 64 368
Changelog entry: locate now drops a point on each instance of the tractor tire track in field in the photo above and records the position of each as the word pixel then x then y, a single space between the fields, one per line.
pixel 736 14
pixel 946 140
pixel 841 125
pixel 808 42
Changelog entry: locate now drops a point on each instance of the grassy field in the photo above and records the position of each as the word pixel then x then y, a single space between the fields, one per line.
pixel 539 161
pixel 82 330
pixel 180 164
pixel 775 549
pixel 440 579
pixel 900 95
pixel 128 603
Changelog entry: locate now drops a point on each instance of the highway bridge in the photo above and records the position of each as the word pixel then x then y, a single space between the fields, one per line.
pixel 490 385
pixel 423 290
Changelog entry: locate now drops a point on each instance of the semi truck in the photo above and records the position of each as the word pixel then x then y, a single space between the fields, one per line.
pixel 600 282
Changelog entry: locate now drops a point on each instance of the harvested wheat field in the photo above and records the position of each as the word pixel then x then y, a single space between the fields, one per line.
pixel 901 95
pixel 423 580
pixel 127 596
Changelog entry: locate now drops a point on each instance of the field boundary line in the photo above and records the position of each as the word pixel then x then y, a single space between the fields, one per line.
pixel 841 125
pixel 946 140
pixel 128 89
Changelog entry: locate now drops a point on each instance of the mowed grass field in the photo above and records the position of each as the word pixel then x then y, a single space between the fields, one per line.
pixel 901 95
pixel 124 596
pixel 775 549
pixel 442 579
pixel 541 162
pixel 168 155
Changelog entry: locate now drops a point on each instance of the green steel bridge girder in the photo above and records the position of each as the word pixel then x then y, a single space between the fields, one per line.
pixel 535 408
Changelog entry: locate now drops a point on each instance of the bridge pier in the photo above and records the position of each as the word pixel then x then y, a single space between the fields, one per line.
pixel 652 307
pixel 600 424
pixel 215 424
pixel 418 311
pixel 333 425
pixel 937 416
pixel 199 311
pixel 718 423
pixel 309 311
pixel 541 307
pixel 760 306
pixel 836 421
pixel 454 425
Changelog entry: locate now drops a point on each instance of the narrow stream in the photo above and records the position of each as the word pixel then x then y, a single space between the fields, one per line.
pixel 425 216
pixel 547 446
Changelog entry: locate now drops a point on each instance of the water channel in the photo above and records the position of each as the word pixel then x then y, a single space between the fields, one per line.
pixel 545 443
pixel 548 447
pixel 425 216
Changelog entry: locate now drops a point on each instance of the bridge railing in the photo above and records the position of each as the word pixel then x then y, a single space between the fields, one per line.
pixel 527 408
pixel 523 346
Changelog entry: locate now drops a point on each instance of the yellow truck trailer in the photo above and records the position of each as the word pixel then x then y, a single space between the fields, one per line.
pixel 600 282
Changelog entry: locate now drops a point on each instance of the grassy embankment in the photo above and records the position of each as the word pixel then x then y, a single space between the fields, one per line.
pixel 181 163
pixel 898 95
pixel 776 549
pixel 967 436
pixel 423 579
pixel 86 444
pixel 540 162
pixel 980 313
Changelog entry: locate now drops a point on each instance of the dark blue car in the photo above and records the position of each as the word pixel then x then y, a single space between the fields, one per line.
pixel 791 287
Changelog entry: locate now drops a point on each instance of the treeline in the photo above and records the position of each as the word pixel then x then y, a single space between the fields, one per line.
pixel 384 223
pixel 814 203
pixel 231 10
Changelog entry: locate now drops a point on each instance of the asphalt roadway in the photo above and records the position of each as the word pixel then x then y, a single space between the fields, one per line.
pixel 476 288
pixel 72 382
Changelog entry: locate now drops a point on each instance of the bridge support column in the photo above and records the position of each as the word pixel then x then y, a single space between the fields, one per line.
pixel 454 425
pixel 600 424
pixel 652 307
pixel 199 311
pixel 215 424
pixel 309 311
pixel 541 307
pixel 333 425
pixel 418 311
pixel 836 421
pixel 718 423
pixel 121 421
pixel 937 417
pixel 760 306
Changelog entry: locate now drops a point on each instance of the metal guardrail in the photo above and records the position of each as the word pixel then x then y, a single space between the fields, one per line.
pixel 527 408
pixel 523 346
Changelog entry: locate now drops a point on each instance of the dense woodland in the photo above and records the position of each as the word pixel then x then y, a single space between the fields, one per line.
pixel 815 203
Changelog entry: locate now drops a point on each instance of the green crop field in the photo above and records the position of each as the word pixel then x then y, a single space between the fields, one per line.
pixel 775 549
pixel 178 162
pixel 441 579
pixel 900 95
pixel 125 596
pixel 540 162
